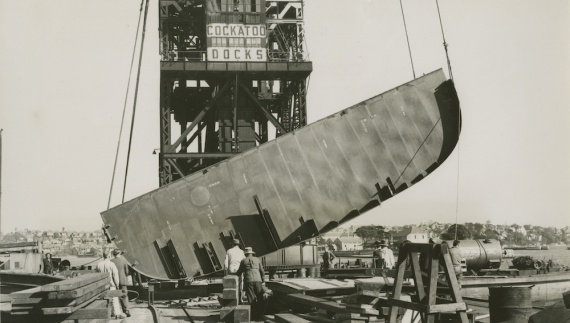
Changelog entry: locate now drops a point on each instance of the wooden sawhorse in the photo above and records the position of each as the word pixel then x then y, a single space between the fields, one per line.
pixel 427 307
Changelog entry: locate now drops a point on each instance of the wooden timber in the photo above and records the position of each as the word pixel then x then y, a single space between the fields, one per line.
pixel 79 298
pixel 426 306
pixel 74 283
pixel 320 303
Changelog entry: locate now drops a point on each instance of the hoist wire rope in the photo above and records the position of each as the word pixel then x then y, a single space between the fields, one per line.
pixel 125 106
pixel 417 151
pixel 459 121
pixel 408 40
pixel 135 99
pixel 457 193
pixel 444 42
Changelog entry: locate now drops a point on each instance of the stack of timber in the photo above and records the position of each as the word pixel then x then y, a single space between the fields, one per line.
pixel 85 298
pixel 368 301
pixel 363 306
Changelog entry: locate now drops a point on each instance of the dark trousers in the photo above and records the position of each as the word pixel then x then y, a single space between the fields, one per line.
pixel 124 299
pixel 254 293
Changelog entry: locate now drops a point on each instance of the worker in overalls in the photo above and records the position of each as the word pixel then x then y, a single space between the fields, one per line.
pixel 253 279
pixel 456 257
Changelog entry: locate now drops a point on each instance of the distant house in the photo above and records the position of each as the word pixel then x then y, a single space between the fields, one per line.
pixel 413 234
pixel 348 243
pixel 330 242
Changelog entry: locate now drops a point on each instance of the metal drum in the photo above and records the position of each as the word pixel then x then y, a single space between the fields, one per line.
pixel 480 253
pixel 510 304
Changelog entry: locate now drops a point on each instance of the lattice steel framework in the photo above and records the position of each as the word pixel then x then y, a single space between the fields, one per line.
pixel 223 107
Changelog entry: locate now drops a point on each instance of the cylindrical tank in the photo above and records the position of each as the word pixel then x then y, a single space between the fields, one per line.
pixel 510 304
pixel 480 253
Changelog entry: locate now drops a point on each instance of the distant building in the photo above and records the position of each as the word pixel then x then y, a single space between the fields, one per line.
pixel 413 234
pixel 348 243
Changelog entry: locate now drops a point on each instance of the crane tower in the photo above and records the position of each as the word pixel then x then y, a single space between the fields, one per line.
pixel 233 75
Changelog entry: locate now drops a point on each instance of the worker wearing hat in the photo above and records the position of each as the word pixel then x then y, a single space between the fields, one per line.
pixel 456 257
pixel 234 256
pixel 253 278
pixel 123 269
pixel 384 256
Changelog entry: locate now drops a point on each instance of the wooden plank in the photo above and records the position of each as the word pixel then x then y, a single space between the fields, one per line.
pixel 80 314
pixel 359 306
pixel 75 282
pixel 416 269
pixel 363 311
pixel 316 318
pixel 452 307
pixel 315 302
pixel 289 318
pixel 352 316
pixel 407 305
pixel 72 294
pixel 67 309
pixel 361 299
pixel 23 294
pixel 31 301
pixel 79 300
pixel 398 281
pixel 112 293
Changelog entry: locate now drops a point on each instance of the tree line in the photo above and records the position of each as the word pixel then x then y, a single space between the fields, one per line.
pixel 513 234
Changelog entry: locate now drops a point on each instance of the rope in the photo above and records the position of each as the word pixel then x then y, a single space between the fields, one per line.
pixel 87 263
pixel 459 121
pixel 457 195
pixel 417 150
pixel 125 107
pixel 444 42
pixel 407 39
pixel 135 100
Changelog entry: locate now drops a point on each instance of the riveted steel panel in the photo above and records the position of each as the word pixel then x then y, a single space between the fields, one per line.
pixel 306 182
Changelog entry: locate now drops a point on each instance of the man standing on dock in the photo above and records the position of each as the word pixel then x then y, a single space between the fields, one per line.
pixel 107 266
pixel 234 256
pixel 47 264
pixel 328 257
pixel 384 256
pixel 456 256
pixel 253 278
pixel 123 269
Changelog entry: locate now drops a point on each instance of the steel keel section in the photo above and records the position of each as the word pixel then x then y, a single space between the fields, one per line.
pixel 295 187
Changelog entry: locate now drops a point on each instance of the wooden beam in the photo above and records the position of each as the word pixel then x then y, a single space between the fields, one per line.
pixel 75 282
pixel 72 294
pixel 398 282
pixel 69 309
pixel 428 309
pixel 315 302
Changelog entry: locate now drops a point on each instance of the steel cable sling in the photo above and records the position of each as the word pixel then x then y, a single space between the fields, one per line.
pixel 125 106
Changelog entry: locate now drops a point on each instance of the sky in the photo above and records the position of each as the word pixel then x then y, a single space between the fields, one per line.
pixel 64 68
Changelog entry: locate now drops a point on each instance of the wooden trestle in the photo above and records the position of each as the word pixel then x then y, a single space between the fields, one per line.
pixel 425 302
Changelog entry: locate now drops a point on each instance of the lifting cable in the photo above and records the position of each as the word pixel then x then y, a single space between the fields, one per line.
pixel 459 121
pixel 135 99
pixel 125 107
pixel 444 42
pixel 407 39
